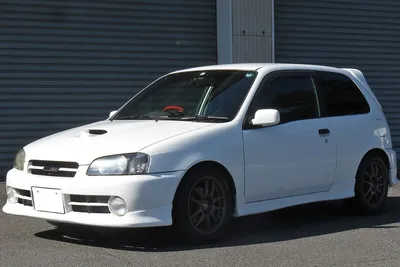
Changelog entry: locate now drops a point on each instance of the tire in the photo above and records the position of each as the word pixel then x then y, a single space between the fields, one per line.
pixel 371 188
pixel 200 216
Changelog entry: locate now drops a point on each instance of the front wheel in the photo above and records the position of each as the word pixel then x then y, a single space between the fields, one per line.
pixel 372 185
pixel 203 207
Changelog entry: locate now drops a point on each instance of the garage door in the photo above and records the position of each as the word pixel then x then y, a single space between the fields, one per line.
pixel 67 63
pixel 361 34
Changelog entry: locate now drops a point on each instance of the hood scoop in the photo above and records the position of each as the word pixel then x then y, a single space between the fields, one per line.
pixel 96 131
pixel 90 133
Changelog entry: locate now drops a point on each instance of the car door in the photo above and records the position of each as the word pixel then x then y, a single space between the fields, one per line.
pixel 295 157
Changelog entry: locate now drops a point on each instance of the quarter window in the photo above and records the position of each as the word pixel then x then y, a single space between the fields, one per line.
pixel 341 96
pixel 293 96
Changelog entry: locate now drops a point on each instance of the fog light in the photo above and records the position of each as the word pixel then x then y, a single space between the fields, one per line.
pixel 11 195
pixel 117 206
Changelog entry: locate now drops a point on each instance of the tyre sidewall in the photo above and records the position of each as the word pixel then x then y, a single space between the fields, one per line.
pixel 182 224
pixel 360 201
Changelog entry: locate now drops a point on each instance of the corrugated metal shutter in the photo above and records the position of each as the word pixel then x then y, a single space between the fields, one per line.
pixel 361 34
pixel 251 31
pixel 68 63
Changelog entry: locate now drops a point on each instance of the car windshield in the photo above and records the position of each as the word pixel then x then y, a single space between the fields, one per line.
pixel 213 95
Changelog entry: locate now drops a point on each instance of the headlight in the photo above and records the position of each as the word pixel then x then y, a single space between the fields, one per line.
pixel 137 163
pixel 19 160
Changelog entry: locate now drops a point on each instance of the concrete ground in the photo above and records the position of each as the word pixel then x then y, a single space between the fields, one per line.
pixel 320 234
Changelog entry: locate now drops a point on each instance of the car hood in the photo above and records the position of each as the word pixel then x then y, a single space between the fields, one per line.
pixel 86 143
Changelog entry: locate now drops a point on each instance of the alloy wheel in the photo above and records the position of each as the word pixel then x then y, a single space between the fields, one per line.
pixel 206 206
pixel 374 184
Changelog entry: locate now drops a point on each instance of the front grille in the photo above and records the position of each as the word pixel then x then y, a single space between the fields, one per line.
pixel 88 209
pixel 53 168
pixel 51 173
pixel 25 193
pixel 25 202
pixel 24 197
pixel 90 199
pixel 59 164
pixel 89 203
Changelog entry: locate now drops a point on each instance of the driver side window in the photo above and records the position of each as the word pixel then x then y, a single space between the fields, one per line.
pixel 293 96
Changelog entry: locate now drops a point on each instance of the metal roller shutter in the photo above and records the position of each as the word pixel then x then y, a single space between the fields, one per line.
pixel 68 63
pixel 361 34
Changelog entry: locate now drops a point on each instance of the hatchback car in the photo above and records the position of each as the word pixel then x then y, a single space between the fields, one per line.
pixel 199 146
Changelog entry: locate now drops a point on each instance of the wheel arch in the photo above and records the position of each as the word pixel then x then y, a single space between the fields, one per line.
pixel 377 152
pixel 210 164
pixel 359 202
pixel 380 153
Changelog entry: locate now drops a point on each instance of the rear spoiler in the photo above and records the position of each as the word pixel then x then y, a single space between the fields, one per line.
pixel 360 77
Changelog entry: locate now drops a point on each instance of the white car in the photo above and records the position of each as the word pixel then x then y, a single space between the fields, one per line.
pixel 199 146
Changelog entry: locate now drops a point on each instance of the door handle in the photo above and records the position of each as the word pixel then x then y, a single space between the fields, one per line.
pixel 324 131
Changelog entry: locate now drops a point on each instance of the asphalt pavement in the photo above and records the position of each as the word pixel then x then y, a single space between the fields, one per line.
pixel 319 234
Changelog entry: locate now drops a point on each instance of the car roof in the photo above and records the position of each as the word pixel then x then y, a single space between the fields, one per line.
pixel 262 66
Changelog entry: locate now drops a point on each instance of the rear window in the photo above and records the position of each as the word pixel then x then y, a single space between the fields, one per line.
pixel 341 95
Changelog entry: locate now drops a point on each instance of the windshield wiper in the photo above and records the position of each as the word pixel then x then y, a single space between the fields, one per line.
pixel 206 118
pixel 140 116
pixel 189 118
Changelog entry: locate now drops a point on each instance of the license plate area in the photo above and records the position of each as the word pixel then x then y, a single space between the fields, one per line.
pixel 48 200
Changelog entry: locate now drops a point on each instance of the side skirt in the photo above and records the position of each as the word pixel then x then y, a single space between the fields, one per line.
pixel 338 191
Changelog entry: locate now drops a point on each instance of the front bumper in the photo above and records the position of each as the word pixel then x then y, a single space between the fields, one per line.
pixel 148 198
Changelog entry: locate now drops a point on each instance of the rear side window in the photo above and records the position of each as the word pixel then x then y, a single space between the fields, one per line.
pixel 341 96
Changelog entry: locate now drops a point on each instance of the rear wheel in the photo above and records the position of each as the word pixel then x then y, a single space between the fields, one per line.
pixel 202 207
pixel 372 185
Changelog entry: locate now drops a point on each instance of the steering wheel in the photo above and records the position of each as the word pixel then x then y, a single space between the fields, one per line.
pixel 174 110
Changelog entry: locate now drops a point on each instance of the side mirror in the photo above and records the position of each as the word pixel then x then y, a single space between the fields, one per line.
pixel 266 117
pixel 112 113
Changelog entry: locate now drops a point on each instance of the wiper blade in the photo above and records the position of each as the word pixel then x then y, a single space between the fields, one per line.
pixel 140 116
pixel 189 118
pixel 206 118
